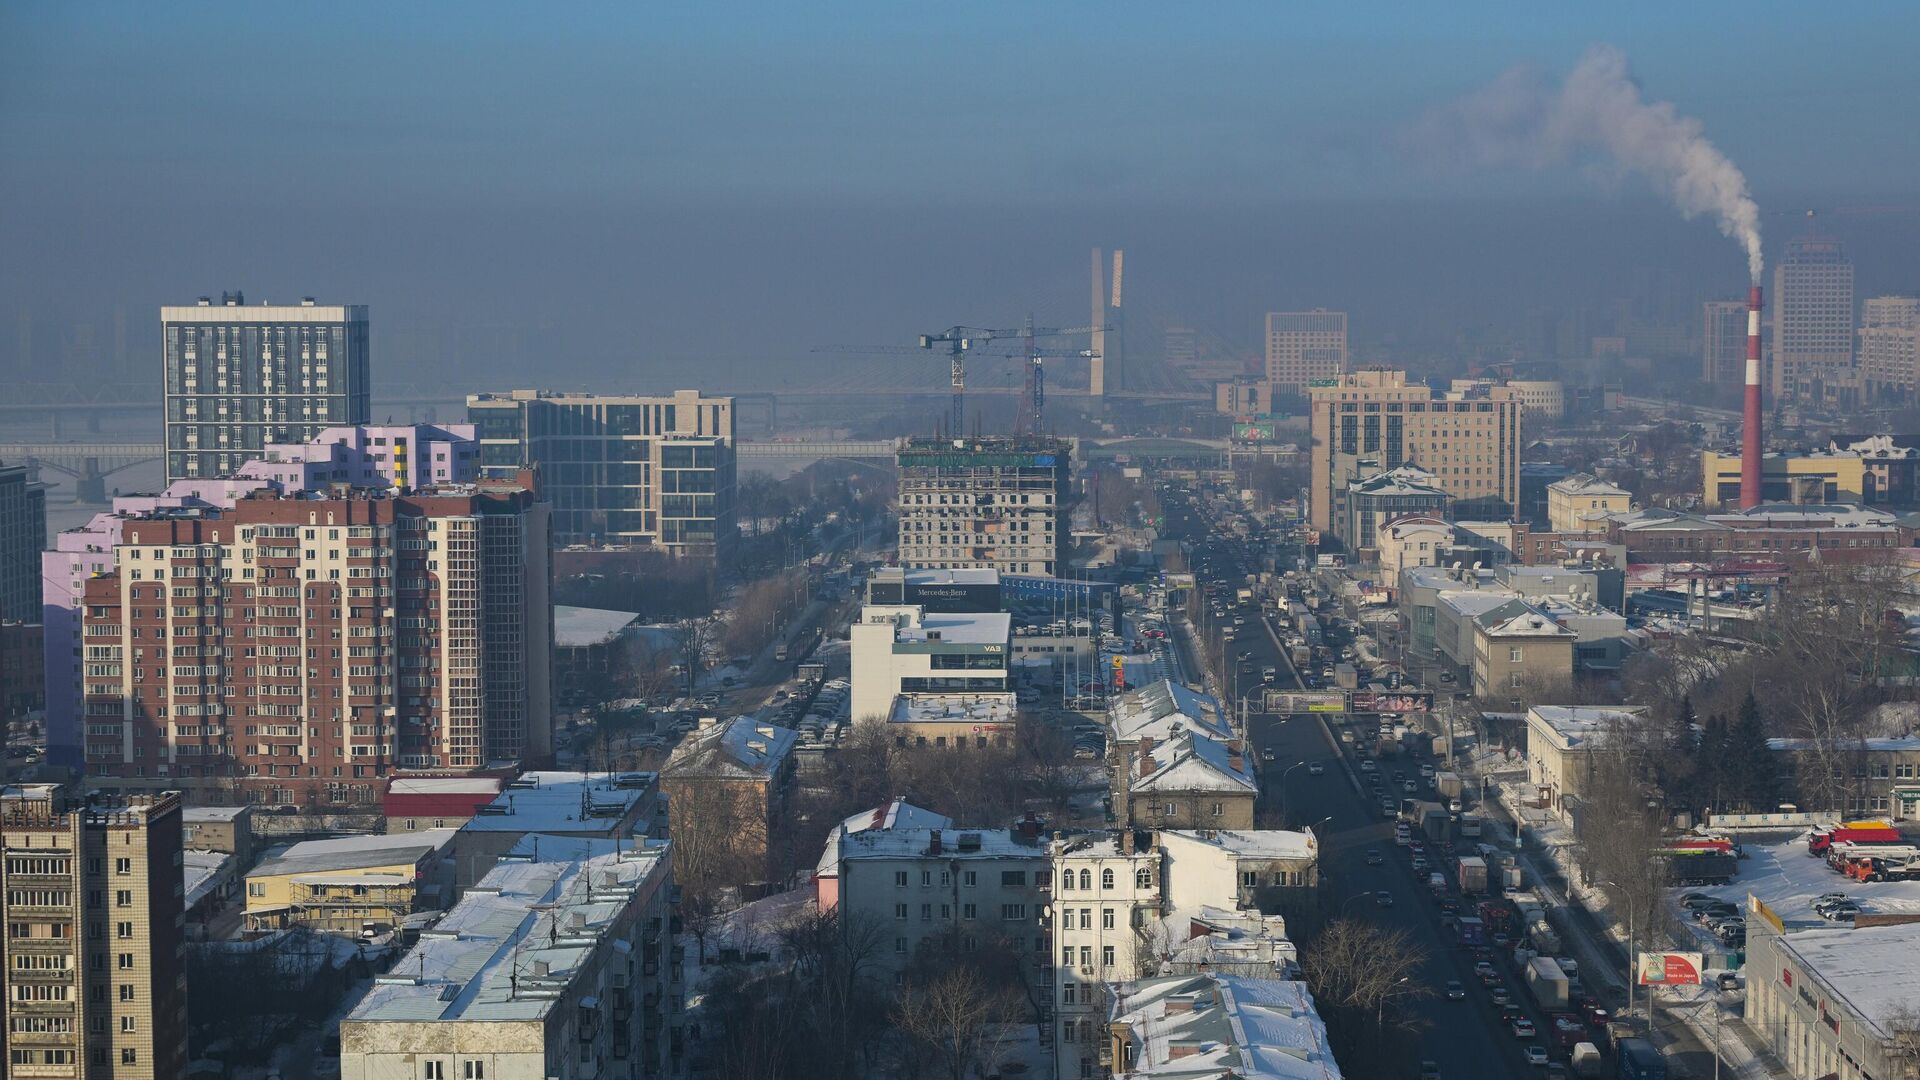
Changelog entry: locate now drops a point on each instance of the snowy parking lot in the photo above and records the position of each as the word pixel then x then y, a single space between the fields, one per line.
pixel 1777 869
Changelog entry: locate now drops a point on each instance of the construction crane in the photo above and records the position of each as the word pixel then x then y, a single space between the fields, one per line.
pixel 960 339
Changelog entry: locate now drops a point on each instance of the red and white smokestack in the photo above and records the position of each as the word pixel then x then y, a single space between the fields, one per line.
pixel 1750 437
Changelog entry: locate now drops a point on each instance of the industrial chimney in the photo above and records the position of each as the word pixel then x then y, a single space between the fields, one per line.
pixel 1750 435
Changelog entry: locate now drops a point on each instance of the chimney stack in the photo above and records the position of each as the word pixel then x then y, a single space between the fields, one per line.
pixel 1750 443
pixel 1146 754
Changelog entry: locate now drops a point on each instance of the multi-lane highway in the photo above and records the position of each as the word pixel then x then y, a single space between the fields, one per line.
pixel 1466 1038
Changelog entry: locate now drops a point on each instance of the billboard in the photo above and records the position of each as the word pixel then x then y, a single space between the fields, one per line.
pixel 1253 431
pixel 1404 701
pixel 1301 701
pixel 1671 968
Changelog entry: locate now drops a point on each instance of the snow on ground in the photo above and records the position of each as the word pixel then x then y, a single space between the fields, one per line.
pixel 1777 869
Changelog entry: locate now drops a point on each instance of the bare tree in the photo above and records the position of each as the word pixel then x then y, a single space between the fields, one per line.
pixel 1622 824
pixel 719 844
pixel 1902 1045
pixel 691 638
pixel 1364 967
pixel 960 1019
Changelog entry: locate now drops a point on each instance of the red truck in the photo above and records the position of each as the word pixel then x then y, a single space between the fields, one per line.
pixel 1852 832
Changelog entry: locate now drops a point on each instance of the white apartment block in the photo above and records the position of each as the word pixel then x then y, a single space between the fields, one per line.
pixel 1105 910
pixel 946 889
pixel 907 650
pixel 555 970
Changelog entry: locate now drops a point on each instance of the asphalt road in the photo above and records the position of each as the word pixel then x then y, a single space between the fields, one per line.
pixel 1466 1037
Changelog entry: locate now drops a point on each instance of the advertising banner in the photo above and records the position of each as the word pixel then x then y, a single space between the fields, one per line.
pixel 1671 969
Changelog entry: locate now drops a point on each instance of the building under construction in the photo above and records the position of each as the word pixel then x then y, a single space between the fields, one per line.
pixel 992 501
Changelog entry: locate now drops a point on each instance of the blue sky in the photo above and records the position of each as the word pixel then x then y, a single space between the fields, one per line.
pixel 748 180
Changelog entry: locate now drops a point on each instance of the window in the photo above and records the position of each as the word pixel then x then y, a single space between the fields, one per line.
pixel 126 961
pixel 123 898
pixel 900 879
pixel 926 878
pixel 1106 918
pixel 1143 878
pixel 126 991
pixel 1013 911
pixel 926 912
pixel 899 944
pixel 1016 878
pixel 1066 994
pixel 123 866
pixel 1513 654
pixel 900 911
pixel 433 1070
pixel 969 879
pixel 1086 879
pixel 968 911
pixel 473 1070
pixel 1106 955
pixel 123 930
pixel 1066 881
pixel 1250 878
pixel 126 1023
pixel 1106 878
pixel 127 1056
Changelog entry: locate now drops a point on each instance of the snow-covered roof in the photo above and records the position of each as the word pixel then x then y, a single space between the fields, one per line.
pixel 579 627
pixel 1194 762
pixel 1218 937
pixel 444 785
pixel 1223 1025
pixel 202 873
pixel 524 931
pixel 952 709
pixel 897 814
pixel 954 844
pixel 735 749
pixel 959 628
pixel 1878 744
pixel 192 814
pixel 1255 843
pixel 1870 967
pixel 1525 621
pixel 1160 709
pixel 1588 485
pixel 1573 726
pixel 562 802
pixel 352 853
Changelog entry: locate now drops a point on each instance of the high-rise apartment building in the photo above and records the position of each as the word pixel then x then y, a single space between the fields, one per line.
pixel 620 470
pixel 23 534
pixel 96 986
pixel 381 458
pixel 239 376
pixel 1304 346
pixel 991 502
pixel 1813 325
pixel 1368 421
pixel 1723 354
pixel 295 650
pixel 1890 349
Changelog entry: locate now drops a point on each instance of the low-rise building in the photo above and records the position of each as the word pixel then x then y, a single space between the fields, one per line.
pixel 899 649
pixel 946 890
pixel 1262 870
pixel 1884 780
pixel 897 814
pixel 413 803
pixel 1874 471
pixel 1211 1026
pixel 1163 709
pixel 1830 1003
pixel 1518 645
pixel 600 806
pixel 742 771
pixel 969 589
pixel 1581 502
pixel 1563 740
pixel 952 720
pixel 1418 540
pixel 348 885
pixel 1239 941
pixel 1770 531
pixel 1106 900
pixel 588 648
pixel 549 967
pixel 1374 500
pixel 1187 781
pixel 225 829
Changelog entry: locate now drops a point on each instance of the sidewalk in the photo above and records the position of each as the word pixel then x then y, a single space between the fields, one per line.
pixel 1682 1027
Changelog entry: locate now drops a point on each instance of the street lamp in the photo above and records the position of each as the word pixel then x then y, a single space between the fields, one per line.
pixel 1632 974
pixel 1283 790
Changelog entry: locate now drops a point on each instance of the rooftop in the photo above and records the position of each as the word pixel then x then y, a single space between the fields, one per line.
pixel 1255 843
pixel 952 709
pixel 1194 762
pixel 735 749
pixel 1588 485
pixel 1870 967
pixel 1405 480
pixel 192 814
pixel 515 941
pixel 1523 621
pixel 898 814
pixel 1211 1026
pixel 579 627
pixel 1161 709
pixel 445 785
pixel 959 628
pixel 563 802
pixel 1576 726
pixel 352 853
pixel 954 843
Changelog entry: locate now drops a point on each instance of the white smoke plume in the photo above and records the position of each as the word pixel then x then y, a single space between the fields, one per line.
pixel 1519 119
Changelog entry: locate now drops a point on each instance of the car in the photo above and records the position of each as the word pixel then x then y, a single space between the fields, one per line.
pixel 1266 753
pixel 1687 898
pixel 1383 898
pixel 1536 1054
pixel 1556 1071
pixel 1701 915
pixel 1419 862
pixel 1315 768
pixel 1500 995
pixel 1374 858
pixel 1449 906
pixel 1429 1070
pixel 1387 809
pixel 1510 1012
pixel 1840 914
pixel 1455 992
pixel 1369 765
pixel 1523 1029
pixel 1483 967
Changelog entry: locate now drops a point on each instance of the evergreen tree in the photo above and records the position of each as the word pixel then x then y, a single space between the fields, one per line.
pixel 1710 774
pixel 1755 769
pixel 1677 763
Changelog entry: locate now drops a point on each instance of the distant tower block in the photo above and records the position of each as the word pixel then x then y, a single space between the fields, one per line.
pixel 1097 384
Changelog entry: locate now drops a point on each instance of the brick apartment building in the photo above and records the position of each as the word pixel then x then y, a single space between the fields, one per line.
pixel 298 650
